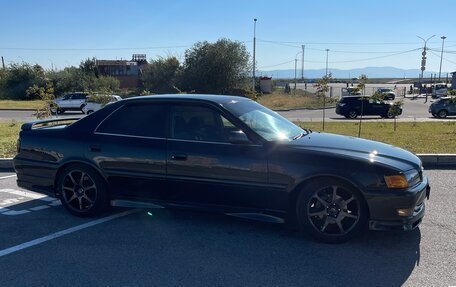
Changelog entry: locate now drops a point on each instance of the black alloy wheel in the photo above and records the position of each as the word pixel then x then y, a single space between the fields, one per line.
pixel 331 210
pixel 82 191
pixel 352 114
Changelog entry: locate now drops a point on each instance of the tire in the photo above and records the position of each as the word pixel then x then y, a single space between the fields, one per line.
pixel 389 115
pixel 352 114
pixel 442 114
pixel 81 108
pixel 89 112
pixel 82 191
pixel 60 111
pixel 331 210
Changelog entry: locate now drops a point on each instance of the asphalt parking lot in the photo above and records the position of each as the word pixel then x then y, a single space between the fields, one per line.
pixel 42 245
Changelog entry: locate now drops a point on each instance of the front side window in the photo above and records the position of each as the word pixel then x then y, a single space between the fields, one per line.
pixel 199 123
pixel 268 124
pixel 146 120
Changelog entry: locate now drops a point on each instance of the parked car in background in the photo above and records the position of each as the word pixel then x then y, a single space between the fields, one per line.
pixel 350 91
pixel 388 93
pixel 96 102
pixel 443 107
pixel 439 90
pixel 69 102
pixel 352 107
pixel 225 154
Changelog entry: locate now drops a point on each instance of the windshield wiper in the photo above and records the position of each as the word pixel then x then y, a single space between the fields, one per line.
pixel 300 135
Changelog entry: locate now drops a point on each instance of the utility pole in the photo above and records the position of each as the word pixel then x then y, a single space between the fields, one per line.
pixel 327 51
pixel 254 47
pixel 423 58
pixel 302 62
pixel 296 63
pixel 3 63
pixel 441 55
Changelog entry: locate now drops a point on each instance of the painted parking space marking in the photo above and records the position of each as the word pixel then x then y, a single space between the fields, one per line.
pixel 7 176
pixel 24 197
pixel 65 232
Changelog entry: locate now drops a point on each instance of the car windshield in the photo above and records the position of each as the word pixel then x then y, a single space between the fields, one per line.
pixel 268 124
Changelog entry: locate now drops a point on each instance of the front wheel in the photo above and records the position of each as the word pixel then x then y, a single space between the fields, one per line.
pixel 390 115
pixel 82 191
pixel 331 211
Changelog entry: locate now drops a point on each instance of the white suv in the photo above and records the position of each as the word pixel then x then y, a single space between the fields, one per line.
pixel 94 103
pixel 70 102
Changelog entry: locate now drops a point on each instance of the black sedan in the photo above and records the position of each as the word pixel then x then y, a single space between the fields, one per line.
pixel 226 154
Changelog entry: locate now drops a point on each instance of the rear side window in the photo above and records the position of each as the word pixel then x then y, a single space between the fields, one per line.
pixel 147 120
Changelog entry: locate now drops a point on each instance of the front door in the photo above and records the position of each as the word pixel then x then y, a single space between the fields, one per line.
pixel 204 168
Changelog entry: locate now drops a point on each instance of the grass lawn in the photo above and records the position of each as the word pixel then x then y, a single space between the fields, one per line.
pixel 8 137
pixel 418 137
pixel 296 99
pixel 11 104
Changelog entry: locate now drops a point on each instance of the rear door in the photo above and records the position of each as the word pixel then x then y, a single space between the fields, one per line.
pixel 130 148
pixel 204 168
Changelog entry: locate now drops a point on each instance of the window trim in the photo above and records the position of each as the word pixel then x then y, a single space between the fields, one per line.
pixel 133 136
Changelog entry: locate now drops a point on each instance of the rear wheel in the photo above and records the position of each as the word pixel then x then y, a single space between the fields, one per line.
pixel 82 191
pixel 89 112
pixel 442 114
pixel 331 210
pixel 352 114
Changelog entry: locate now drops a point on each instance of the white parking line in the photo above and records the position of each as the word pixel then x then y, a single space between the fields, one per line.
pixel 7 176
pixel 64 232
pixel 50 201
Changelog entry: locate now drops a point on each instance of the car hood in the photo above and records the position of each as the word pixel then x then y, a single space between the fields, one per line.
pixel 358 148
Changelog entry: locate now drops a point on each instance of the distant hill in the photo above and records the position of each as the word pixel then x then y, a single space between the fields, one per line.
pixel 371 72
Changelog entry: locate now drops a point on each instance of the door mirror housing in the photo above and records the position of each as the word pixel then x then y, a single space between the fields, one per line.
pixel 238 137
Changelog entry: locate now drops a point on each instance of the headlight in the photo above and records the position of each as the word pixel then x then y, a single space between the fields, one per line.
pixel 342 104
pixel 408 178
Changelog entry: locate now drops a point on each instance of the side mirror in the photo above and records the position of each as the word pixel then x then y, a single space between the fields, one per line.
pixel 238 137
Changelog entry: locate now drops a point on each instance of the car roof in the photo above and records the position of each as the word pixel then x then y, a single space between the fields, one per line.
pixel 218 99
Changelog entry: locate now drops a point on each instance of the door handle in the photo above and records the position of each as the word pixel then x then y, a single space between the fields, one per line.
pixel 179 156
pixel 95 148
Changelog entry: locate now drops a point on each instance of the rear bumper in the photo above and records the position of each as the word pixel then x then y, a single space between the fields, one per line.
pixel 384 208
pixel 35 175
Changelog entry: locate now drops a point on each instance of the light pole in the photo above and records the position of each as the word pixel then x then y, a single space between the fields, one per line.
pixel 254 47
pixel 423 59
pixel 302 62
pixel 296 67
pixel 327 51
pixel 441 56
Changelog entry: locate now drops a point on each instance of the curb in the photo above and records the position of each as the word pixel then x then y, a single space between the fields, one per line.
pixel 430 160
pixel 301 109
pixel 20 109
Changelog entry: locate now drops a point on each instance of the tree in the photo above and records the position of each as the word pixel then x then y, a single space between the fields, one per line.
pixel 18 78
pixel 89 67
pixel 362 80
pixel 322 89
pixel 46 94
pixel 161 76
pixel 215 68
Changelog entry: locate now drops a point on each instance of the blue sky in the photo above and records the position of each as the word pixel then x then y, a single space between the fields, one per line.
pixel 352 30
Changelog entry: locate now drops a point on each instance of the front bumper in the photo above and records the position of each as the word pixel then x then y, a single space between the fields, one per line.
pixel 384 208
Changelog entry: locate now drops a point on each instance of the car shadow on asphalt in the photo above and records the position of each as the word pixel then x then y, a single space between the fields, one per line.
pixel 286 255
